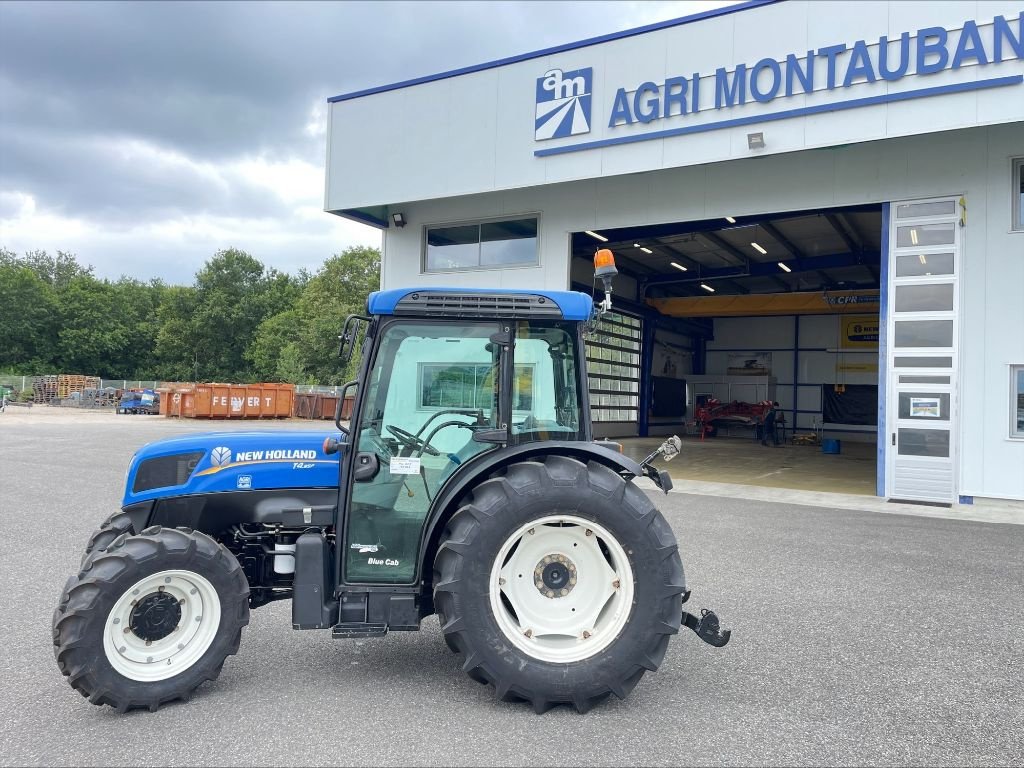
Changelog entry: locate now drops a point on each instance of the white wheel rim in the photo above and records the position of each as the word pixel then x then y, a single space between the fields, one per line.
pixel 191 637
pixel 582 617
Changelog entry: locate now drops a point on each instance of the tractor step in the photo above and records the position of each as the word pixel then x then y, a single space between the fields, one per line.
pixel 354 629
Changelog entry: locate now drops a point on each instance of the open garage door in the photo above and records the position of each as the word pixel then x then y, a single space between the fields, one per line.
pixel 781 307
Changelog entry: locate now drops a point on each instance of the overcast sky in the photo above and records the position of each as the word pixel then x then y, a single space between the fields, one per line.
pixel 144 137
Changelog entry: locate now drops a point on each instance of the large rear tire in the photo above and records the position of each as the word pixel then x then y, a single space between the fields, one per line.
pixel 151 618
pixel 559 583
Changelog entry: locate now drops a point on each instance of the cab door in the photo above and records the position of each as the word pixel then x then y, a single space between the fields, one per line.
pixel 430 386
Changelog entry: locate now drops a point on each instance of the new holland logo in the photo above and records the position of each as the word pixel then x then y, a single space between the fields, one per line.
pixel 563 103
pixel 220 456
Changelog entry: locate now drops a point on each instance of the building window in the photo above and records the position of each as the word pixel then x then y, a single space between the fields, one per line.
pixel 1018 194
pixel 613 369
pixel 481 245
pixel 1017 401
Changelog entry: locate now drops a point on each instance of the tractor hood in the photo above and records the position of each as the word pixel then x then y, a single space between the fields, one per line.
pixel 215 462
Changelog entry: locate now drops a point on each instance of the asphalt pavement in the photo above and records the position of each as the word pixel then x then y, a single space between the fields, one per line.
pixel 858 639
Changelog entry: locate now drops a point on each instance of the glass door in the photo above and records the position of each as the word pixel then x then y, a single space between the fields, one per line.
pixel 925 242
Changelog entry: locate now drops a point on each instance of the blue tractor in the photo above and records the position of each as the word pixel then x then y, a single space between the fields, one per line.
pixel 467 485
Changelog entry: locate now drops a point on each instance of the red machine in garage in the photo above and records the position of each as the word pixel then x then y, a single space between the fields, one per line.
pixel 714 414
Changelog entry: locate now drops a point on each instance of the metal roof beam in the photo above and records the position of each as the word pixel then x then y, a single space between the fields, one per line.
pixel 782 240
pixel 841 231
pixel 760 269
pixel 732 250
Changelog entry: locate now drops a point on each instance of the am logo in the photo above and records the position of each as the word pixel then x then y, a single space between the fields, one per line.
pixel 563 103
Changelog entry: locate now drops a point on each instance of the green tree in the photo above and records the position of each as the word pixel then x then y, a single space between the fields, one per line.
pixel 28 307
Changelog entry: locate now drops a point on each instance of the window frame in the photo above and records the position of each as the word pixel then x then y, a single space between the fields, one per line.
pixel 1016 432
pixel 1016 197
pixel 609 402
pixel 425 270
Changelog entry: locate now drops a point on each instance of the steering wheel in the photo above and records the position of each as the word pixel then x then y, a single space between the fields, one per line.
pixel 410 440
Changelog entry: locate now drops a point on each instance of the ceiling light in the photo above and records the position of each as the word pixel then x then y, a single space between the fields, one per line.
pixel 923 259
pixel 707 287
pixel 680 267
pixel 730 219
pixel 913 236
pixel 636 245
pixel 596 236
pixel 646 250
pixel 784 268
pixel 759 249
pixel 755 140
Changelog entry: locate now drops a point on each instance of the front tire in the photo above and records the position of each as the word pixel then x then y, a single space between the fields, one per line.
pixel 559 583
pixel 151 618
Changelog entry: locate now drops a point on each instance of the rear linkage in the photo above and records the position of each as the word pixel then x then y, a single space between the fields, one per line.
pixel 707 627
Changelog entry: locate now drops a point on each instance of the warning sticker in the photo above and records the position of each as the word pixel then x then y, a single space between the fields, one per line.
pixel 404 465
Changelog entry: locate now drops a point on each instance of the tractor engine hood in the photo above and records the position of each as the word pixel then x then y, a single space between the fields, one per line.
pixel 216 462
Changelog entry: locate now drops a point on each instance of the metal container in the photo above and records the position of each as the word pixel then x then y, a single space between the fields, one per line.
pixel 228 401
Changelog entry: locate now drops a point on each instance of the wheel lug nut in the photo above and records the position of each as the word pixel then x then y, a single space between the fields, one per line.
pixel 589 532
pixel 160 588
pixel 117 621
pixel 167 579
pixel 149 642
pixel 182 601
pixel 501 583
pixel 127 630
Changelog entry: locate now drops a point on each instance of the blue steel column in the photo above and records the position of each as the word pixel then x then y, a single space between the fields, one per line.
pixel 796 371
pixel 646 364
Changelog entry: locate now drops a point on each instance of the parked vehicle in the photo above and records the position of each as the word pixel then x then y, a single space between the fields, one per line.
pixel 468 485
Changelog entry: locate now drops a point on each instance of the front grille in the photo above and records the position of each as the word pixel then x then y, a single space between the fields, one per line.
pixel 165 471
pixel 513 305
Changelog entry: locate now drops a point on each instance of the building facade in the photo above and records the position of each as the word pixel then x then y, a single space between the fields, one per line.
pixel 827 194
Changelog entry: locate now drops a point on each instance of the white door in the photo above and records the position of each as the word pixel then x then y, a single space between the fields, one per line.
pixel 925 247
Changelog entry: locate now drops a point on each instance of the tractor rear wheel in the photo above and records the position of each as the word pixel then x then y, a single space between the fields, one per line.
pixel 559 583
pixel 151 618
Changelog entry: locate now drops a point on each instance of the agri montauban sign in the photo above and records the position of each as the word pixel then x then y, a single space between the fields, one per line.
pixel 833 70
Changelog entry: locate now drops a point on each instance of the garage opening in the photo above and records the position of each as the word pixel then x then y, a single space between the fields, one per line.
pixel 716 319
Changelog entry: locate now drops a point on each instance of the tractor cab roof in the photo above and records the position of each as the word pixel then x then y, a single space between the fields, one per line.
pixel 490 302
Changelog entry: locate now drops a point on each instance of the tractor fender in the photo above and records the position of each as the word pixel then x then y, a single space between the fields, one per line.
pixel 466 478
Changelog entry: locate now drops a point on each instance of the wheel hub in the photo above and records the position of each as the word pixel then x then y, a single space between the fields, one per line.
pixel 555 576
pixel 155 616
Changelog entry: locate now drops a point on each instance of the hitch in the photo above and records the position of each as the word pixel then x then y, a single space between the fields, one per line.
pixel 707 627
pixel 669 450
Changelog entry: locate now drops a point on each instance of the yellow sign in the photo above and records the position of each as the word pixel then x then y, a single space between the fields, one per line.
pixel 859 332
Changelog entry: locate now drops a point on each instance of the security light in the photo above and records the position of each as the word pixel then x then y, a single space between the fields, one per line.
pixel 755 140
pixel 399 219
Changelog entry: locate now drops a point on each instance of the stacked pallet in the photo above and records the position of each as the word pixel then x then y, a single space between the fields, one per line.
pixel 44 389
pixel 68 383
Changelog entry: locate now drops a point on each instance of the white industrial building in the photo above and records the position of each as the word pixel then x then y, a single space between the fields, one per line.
pixel 815 202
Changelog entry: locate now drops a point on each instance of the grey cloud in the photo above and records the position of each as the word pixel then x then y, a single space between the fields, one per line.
pixel 217 82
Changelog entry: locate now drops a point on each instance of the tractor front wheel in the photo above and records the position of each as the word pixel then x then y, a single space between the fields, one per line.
pixel 151 618
pixel 558 582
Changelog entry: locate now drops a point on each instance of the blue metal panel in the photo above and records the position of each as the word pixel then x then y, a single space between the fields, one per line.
pixel 242 460
pixel 883 353
pixel 556 49
pixel 574 305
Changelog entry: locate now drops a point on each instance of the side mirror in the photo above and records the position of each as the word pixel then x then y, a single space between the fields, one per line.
pixel 349 335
